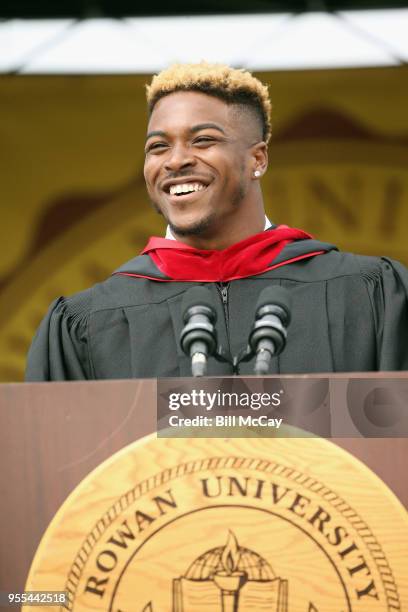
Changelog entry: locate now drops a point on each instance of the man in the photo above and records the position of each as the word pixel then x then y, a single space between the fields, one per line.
pixel 206 151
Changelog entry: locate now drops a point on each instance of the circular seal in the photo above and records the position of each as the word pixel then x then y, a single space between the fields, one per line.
pixel 284 525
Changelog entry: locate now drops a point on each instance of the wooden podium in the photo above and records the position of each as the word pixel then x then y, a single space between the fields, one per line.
pixel 54 435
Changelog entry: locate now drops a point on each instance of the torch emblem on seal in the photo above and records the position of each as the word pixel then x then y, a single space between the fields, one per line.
pixel 230 578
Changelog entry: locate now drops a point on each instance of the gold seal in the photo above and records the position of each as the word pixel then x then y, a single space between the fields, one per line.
pixel 238 525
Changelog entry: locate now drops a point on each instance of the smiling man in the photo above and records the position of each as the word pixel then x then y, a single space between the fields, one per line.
pixel 205 155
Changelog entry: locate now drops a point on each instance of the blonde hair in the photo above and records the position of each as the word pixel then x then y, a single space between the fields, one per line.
pixel 231 85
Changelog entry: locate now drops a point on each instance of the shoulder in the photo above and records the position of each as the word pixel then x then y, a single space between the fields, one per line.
pixel 76 306
pixel 72 309
pixel 339 263
pixel 382 271
pixel 342 265
pixel 118 291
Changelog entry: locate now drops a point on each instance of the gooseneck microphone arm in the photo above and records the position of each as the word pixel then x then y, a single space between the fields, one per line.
pixel 267 337
pixel 198 337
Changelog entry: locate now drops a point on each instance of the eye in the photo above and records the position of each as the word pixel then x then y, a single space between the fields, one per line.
pixel 204 140
pixel 155 146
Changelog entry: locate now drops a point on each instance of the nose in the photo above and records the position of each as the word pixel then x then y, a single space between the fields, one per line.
pixel 179 156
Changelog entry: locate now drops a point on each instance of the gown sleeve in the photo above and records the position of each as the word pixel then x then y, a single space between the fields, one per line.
pixel 60 349
pixel 390 303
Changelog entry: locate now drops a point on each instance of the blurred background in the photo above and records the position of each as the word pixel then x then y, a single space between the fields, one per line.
pixel 72 126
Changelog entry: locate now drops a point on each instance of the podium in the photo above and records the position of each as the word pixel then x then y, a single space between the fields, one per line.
pixel 54 434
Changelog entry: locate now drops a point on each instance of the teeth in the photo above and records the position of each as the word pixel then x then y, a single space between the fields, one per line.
pixel 186 188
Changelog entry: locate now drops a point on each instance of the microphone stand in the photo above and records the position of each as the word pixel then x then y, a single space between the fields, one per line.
pixel 199 341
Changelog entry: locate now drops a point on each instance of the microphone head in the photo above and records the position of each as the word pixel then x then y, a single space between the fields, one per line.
pixel 198 296
pixel 275 295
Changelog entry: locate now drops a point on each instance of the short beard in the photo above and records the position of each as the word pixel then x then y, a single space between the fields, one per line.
pixel 193 230
pixel 197 229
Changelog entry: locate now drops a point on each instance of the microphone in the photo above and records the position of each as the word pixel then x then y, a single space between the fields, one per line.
pixel 198 338
pixel 268 334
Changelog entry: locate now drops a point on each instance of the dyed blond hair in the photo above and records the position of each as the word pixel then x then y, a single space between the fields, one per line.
pixel 231 85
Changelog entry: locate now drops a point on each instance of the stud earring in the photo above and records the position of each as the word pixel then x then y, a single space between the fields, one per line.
pixel 257 173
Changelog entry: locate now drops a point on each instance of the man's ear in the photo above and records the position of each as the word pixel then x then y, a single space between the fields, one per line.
pixel 259 152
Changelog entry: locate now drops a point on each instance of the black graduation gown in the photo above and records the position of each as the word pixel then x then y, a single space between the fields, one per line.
pixel 349 313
